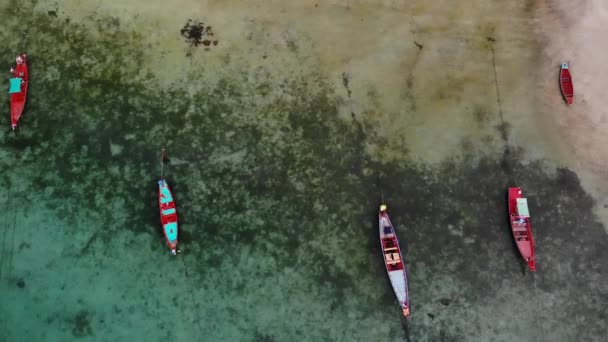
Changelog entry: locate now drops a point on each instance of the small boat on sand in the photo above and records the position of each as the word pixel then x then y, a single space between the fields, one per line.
pixel 393 260
pixel 18 88
pixel 168 212
pixel 565 82
pixel 519 216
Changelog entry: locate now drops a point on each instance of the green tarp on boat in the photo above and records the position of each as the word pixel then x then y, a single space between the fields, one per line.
pixel 15 85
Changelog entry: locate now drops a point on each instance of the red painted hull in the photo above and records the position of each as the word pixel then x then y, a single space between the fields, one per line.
pixel 521 229
pixel 168 215
pixel 393 260
pixel 565 81
pixel 18 99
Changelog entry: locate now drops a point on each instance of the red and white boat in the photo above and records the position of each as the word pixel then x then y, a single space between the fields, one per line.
pixel 168 212
pixel 18 88
pixel 519 216
pixel 565 82
pixel 393 259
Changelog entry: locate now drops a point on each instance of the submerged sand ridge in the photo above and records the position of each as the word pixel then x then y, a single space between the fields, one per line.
pixel 282 139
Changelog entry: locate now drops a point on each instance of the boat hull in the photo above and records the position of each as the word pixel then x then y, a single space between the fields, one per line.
pixel 565 81
pixel 393 260
pixel 168 215
pixel 18 99
pixel 521 227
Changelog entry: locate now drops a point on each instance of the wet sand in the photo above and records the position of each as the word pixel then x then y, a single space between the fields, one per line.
pixel 282 138
pixel 575 34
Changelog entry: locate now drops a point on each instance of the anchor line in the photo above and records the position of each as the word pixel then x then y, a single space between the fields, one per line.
pixel 23 41
pixel 406 330
pixel 506 162
pixel 498 99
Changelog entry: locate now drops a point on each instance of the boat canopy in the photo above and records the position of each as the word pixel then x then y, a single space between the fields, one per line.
pixel 171 231
pixel 165 194
pixel 522 207
pixel 15 85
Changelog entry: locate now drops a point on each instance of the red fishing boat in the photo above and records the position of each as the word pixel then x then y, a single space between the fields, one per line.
pixel 18 88
pixel 168 211
pixel 393 260
pixel 565 82
pixel 519 216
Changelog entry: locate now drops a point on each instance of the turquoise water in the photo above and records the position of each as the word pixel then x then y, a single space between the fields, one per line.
pixel 277 193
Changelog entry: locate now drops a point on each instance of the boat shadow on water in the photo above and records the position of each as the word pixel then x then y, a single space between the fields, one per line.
pixel 406 329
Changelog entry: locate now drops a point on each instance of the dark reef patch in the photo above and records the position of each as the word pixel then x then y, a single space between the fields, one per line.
pixel 82 324
pixel 197 33
pixel 345 83
pixel 260 337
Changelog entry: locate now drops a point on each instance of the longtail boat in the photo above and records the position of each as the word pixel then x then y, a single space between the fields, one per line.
pixel 519 216
pixel 18 88
pixel 565 82
pixel 393 260
pixel 168 211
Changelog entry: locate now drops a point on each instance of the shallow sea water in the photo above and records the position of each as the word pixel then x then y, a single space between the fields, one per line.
pixel 282 138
